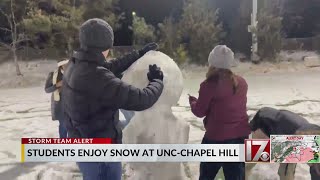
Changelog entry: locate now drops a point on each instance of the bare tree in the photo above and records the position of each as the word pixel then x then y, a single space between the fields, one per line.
pixel 16 37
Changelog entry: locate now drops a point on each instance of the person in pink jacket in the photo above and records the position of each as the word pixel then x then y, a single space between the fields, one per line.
pixel 222 102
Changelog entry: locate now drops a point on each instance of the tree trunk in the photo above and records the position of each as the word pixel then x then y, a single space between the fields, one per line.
pixel 16 63
pixel 15 38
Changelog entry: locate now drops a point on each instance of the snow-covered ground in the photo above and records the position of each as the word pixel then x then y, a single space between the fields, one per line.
pixel 25 112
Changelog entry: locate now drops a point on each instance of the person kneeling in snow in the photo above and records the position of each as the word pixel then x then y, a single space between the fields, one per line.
pixel 92 94
pixel 269 121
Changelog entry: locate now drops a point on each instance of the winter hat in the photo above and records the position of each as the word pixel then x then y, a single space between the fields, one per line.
pixel 221 57
pixel 96 34
pixel 63 62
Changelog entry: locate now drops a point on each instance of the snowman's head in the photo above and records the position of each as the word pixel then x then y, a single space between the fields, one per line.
pixel 136 75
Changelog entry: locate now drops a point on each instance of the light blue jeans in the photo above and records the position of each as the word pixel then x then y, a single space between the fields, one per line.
pixel 128 116
pixel 63 133
pixel 105 170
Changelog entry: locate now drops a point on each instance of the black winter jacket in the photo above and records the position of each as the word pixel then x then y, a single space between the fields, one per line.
pixel 92 95
pixel 56 106
pixel 277 122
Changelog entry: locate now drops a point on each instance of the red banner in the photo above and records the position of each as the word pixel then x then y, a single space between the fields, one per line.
pixel 66 141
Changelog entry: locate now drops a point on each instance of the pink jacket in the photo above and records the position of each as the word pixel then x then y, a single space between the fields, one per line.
pixel 225 112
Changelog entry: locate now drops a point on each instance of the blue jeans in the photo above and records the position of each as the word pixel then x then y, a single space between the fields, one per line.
pixel 63 133
pixel 100 170
pixel 128 116
pixel 231 170
pixel 105 170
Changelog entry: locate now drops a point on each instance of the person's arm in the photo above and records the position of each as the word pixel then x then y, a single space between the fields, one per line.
pixel 119 65
pixel 128 97
pixel 49 87
pixel 200 106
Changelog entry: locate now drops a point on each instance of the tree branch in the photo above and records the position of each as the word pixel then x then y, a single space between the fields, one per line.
pixel 5 29
pixel 13 15
pixel 56 34
pixel 20 40
pixel 8 19
pixel 21 37
pixel 14 27
pixel 3 13
pixel 5 45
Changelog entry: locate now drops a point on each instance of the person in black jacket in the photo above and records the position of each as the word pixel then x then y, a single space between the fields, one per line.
pixel 53 85
pixel 92 94
pixel 273 121
pixel 269 121
pixel 128 115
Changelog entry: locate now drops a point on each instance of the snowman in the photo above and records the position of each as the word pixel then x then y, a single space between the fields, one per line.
pixel 157 125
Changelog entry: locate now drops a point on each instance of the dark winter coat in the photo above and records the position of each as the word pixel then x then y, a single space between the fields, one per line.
pixel 278 122
pixel 92 95
pixel 56 106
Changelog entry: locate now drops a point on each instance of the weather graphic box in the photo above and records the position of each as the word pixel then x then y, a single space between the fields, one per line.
pixel 295 148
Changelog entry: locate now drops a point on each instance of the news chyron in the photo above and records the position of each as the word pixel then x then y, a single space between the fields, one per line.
pixel 257 150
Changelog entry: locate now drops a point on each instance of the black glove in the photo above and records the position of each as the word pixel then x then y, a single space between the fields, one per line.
pixel 148 47
pixel 155 73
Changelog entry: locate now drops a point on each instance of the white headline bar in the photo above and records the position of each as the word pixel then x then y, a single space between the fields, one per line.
pixel 133 153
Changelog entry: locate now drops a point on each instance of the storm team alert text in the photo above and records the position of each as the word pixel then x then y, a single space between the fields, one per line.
pixel 132 152
pixel 60 141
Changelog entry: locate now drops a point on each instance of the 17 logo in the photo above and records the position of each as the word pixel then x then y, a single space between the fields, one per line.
pixel 257 150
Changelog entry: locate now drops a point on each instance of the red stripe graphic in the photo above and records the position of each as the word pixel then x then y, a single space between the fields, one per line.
pixel 66 141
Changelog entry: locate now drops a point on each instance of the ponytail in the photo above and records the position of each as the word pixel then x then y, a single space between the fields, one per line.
pixel 215 74
pixel 234 82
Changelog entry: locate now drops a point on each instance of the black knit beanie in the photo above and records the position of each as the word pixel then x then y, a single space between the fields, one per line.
pixel 96 34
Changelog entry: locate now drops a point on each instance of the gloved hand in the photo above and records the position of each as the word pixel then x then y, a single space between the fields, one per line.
pixel 148 47
pixel 155 73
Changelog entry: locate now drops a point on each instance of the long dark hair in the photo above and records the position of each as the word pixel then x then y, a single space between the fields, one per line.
pixel 215 74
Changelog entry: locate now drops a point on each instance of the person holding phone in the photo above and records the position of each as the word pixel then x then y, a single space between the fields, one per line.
pixel 222 101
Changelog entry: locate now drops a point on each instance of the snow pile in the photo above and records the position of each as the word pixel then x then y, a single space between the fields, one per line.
pixel 34 73
pixel 296 55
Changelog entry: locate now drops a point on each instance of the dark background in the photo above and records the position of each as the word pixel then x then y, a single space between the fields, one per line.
pixel 154 12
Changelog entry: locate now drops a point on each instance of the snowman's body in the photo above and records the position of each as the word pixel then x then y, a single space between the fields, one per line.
pixel 157 125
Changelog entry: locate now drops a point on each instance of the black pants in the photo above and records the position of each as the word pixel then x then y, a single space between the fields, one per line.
pixel 313 173
pixel 231 171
